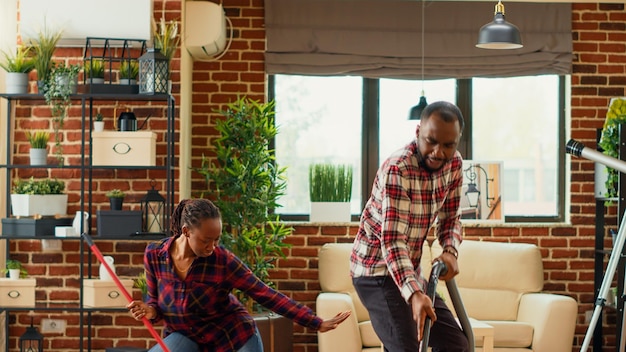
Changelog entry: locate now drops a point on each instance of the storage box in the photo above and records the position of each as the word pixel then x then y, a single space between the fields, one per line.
pixel 33 227
pixel 17 293
pixel 136 148
pixel 118 222
pixel 105 294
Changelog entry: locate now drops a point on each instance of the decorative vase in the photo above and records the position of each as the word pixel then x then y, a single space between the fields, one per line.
pixel 104 274
pixel 38 156
pixel 80 223
pixel 116 203
pixel 14 274
pixel 98 126
pixel 16 83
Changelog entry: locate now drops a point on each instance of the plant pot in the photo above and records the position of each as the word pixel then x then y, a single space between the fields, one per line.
pixel 126 81
pixel 330 212
pixel 14 274
pixel 116 203
pixel 98 126
pixel 64 80
pixel 36 204
pixel 95 80
pixel 38 156
pixel 16 83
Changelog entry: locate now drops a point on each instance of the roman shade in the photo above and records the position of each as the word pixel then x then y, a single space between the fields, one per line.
pixel 381 38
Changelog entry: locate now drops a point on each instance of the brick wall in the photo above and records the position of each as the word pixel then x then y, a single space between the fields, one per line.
pixel 599 33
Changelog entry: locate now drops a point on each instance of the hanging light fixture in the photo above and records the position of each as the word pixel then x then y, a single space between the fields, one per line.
pixel 499 34
pixel 416 111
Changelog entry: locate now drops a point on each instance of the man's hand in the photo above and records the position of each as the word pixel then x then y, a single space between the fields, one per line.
pixel 451 264
pixel 421 305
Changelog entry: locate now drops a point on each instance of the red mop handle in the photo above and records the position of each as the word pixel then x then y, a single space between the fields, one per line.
pixel 119 285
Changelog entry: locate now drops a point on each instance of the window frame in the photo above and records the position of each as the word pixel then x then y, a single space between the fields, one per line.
pixel 370 145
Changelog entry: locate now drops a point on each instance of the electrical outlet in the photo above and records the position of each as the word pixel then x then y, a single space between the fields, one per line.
pixel 53 326
pixel 51 245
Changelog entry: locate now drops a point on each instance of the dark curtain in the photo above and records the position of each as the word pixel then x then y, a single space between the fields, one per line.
pixel 382 38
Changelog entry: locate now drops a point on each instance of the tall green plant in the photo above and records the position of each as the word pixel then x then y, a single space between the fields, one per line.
pixel 330 183
pixel 44 45
pixel 246 184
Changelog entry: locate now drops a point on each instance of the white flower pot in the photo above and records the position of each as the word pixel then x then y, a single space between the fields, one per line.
pixel 16 83
pixel 330 212
pixel 14 274
pixel 95 80
pixel 38 156
pixel 126 81
pixel 98 126
pixel 33 204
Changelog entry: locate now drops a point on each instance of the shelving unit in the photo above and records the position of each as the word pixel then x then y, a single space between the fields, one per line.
pixel 88 102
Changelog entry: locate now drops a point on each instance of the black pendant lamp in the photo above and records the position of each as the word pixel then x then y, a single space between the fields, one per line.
pixel 416 111
pixel 499 34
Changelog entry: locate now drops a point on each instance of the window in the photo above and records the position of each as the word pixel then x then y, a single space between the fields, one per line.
pixel 518 121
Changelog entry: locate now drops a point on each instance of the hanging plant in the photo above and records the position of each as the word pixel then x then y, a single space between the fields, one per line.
pixel 609 141
pixel 61 84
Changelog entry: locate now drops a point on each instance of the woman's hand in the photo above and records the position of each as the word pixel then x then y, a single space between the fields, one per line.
pixel 332 323
pixel 139 310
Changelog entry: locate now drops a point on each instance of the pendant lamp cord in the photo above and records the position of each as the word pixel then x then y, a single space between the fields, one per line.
pixel 422 34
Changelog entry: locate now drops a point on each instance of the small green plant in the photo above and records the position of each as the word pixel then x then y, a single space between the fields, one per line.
pixel 32 186
pixel 13 264
pixel 330 183
pixel 129 69
pixel 38 139
pixel 166 37
pixel 115 193
pixel 94 68
pixel 18 62
pixel 140 283
pixel 99 117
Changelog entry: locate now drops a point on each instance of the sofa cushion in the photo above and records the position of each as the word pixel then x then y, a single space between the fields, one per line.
pixel 511 333
pixel 368 336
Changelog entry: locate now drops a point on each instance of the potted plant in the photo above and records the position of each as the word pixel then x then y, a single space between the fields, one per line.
pixel 248 184
pixel 129 69
pixel 94 71
pixel 166 37
pixel 15 269
pixel 140 283
pixel 18 66
pixel 38 197
pixel 98 124
pixel 116 199
pixel 609 141
pixel 330 191
pixel 38 141
pixel 44 46
pixel 61 84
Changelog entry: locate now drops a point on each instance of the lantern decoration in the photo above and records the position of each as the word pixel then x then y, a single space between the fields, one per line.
pixel 31 340
pixel 153 72
pixel 153 211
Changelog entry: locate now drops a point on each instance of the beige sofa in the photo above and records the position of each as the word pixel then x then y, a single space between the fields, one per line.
pixel 500 284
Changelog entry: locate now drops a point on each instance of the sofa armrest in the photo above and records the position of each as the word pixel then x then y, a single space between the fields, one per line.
pixel 553 318
pixel 346 337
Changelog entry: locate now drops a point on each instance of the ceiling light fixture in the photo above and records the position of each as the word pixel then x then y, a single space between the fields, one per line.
pixel 499 34
pixel 416 111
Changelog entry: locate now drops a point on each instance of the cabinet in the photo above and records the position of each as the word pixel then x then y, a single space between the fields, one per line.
pixel 81 169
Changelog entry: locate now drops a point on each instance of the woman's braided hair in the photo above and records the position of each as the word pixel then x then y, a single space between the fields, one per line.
pixel 192 212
